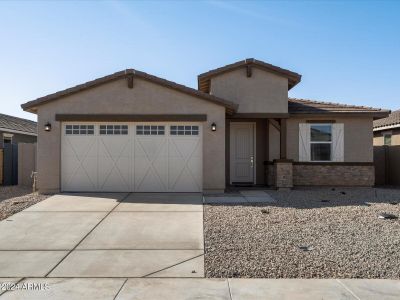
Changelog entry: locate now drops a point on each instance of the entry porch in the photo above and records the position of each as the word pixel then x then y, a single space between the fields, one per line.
pixel 256 151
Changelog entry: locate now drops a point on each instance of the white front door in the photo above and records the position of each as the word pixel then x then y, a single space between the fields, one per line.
pixel 242 152
pixel 131 157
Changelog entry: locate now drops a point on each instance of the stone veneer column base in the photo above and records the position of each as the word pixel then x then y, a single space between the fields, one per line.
pixel 283 173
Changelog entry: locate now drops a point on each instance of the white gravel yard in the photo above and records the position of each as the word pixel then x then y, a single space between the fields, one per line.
pixel 340 226
pixel 15 198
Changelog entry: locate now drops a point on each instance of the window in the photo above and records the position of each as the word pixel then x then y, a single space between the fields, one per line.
pixel 321 142
pixel 7 138
pixel 79 129
pixel 184 130
pixel 150 130
pixel 387 139
pixel 113 129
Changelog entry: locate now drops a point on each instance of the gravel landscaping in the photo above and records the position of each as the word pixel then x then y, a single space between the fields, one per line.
pixel 318 233
pixel 14 198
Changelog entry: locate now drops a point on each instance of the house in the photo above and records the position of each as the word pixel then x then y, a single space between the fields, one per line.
pixel 387 149
pixel 132 131
pixel 15 130
pixel 387 130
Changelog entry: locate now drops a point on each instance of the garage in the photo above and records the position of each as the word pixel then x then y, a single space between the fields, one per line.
pixel 131 157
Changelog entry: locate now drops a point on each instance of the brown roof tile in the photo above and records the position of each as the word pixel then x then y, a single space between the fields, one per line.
pixel 31 105
pixel 14 123
pixel 392 120
pixel 204 78
pixel 306 106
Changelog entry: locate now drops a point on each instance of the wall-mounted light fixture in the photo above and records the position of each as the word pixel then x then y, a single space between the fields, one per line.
pixel 213 127
pixel 47 126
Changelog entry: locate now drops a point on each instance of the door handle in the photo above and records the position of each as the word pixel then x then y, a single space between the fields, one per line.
pixel 252 161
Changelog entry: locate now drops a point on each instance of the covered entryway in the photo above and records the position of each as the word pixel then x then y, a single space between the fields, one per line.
pixel 131 157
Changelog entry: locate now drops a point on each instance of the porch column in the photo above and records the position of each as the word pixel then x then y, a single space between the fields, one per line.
pixel 283 141
pixel 283 167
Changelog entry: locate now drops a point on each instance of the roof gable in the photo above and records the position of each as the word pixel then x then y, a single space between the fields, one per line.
pixel 204 78
pixel 129 75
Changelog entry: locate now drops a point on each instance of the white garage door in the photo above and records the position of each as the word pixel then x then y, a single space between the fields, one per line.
pixel 131 157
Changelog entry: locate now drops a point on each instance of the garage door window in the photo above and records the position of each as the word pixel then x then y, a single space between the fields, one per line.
pixel 79 129
pixel 150 130
pixel 113 129
pixel 184 130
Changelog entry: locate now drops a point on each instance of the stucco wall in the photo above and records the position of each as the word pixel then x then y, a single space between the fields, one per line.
pixel 116 98
pixel 26 163
pixel 263 92
pixel 358 138
pixel 274 143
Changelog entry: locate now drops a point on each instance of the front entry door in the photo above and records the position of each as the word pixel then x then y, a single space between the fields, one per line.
pixel 242 152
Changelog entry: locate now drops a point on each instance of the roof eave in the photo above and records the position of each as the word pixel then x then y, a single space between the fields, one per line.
pixel 374 114
pixel 386 127
pixel 31 106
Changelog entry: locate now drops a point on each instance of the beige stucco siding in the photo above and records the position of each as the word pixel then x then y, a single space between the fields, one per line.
pixel 116 98
pixel 263 92
pixel 274 144
pixel 358 138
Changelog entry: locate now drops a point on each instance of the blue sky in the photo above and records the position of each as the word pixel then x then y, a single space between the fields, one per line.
pixel 347 52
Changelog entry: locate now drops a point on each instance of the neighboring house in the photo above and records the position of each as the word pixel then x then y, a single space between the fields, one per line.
pixel 387 130
pixel 387 149
pixel 15 130
pixel 132 131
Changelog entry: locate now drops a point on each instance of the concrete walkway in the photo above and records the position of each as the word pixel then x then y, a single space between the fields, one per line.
pixel 191 288
pixel 105 235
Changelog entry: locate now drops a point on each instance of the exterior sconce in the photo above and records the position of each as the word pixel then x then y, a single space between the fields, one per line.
pixel 213 127
pixel 47 126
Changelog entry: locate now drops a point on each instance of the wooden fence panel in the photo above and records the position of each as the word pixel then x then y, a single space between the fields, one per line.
pixel 387 165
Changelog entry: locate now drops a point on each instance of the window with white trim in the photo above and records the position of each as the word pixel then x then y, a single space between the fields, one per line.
pixel 79 129
pixel 113 129
pixel 150 130
pixel 387 138
pixel 321 142
pixel 184 130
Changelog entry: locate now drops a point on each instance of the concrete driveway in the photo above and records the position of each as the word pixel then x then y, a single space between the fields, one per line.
pixel 105 235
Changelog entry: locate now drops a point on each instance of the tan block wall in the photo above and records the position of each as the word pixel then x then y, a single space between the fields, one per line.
pixel 116 98
pixel 358 138
pixel 330 175
pixel 263 92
